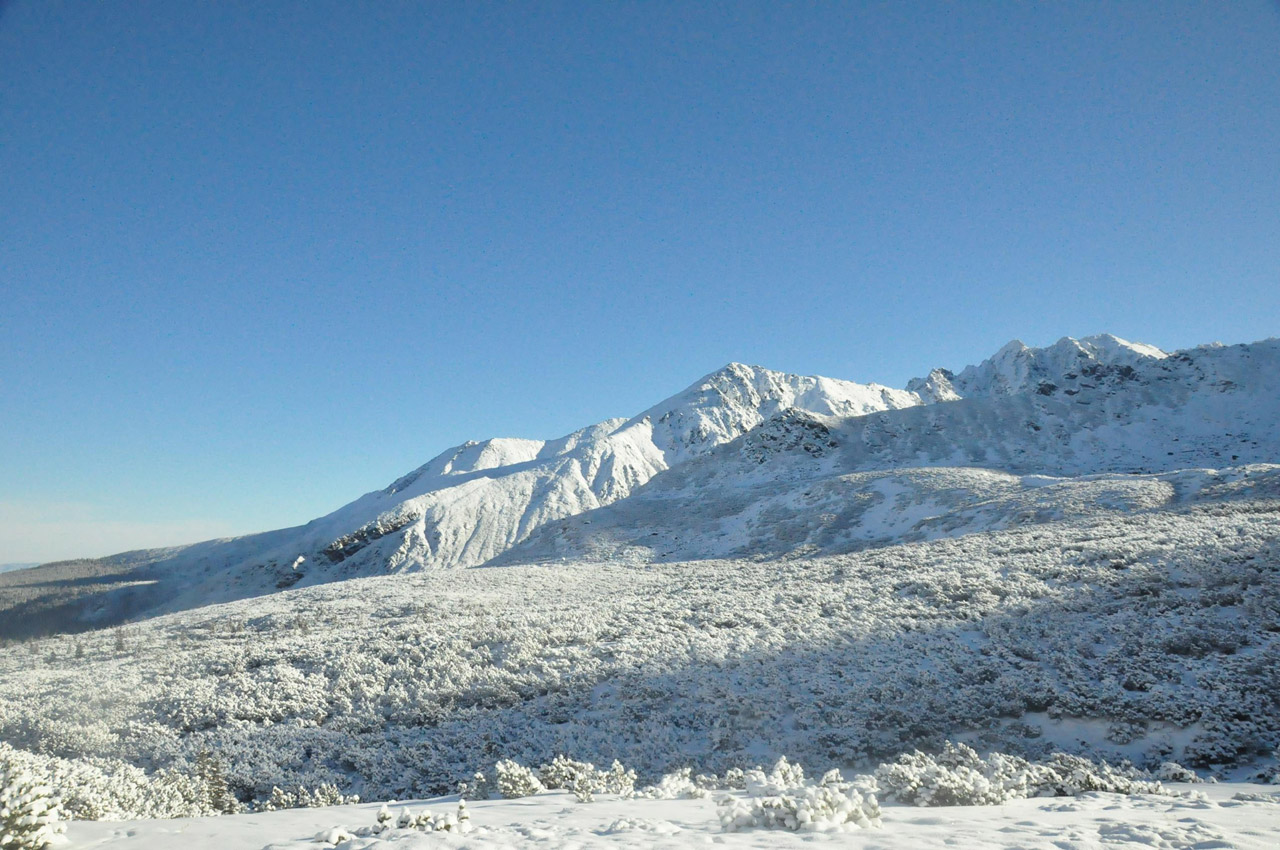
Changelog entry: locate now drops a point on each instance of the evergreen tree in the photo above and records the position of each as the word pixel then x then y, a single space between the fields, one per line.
pixel 209 771
pixel 28 814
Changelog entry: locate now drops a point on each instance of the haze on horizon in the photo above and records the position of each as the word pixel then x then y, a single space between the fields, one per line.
pixel 260 260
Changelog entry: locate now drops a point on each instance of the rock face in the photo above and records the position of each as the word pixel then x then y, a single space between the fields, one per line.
pixel 743 451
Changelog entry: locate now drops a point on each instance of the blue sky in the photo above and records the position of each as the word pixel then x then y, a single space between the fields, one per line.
pixel 259 258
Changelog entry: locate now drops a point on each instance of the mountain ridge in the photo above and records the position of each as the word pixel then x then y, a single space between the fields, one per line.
pixel 1067 409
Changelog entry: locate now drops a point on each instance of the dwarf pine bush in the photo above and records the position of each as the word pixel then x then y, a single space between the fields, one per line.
pixel 424 821
pixel 479 787
pixel 958 776
pixel 515 780
pixel 1171 771
pixel 585 781
pixel 563 772
pixel 28 813
pixel 675 786
pixel 325 794
pixel 781 800
pixel 210 772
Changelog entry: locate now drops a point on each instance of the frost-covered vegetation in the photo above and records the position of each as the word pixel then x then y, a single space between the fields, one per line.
pixel 28 812
pixel 958 776
pixel 512 780
pixel 1153 636
pixel 782 799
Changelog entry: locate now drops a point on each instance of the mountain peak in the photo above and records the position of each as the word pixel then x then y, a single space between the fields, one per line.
pixel 737 397
pixel 1018 368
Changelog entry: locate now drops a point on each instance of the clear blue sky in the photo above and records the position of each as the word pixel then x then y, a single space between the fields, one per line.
pixel 259 258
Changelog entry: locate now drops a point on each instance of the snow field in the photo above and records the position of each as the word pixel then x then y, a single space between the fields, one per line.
pixel 1209 818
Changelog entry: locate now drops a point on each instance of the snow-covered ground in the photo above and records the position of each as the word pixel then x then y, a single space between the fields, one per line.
pixel 1149 635
pixel 1210 818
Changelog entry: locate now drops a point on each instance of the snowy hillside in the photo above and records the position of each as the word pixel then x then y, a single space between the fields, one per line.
pixel 1151 635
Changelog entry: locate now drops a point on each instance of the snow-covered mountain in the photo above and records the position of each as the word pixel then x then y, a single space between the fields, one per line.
pixel 751 461
pixel 1018 369
pixel 1067 431
pixel 476 500
pixel 460 509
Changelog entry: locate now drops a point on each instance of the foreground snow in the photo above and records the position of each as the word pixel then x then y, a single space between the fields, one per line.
pixel 1207 817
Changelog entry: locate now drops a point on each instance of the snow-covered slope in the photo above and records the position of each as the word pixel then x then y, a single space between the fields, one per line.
pixel 1227 815
pixel 1078 550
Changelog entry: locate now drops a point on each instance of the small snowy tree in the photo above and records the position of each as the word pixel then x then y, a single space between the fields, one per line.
pixel 208 769
pixel 782 800
pixel 515 780
pixel 28 813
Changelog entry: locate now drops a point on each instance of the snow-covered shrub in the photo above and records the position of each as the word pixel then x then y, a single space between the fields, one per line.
pixel 464 817
pixel 832 805
pixel 1073 775
pixel 478 787
pixel 28 812
pixel 618 780
pixel 1171 771
pixel 585 781
pixel 563 772
pixel 326 794
pixel 622 825
pixel 279 799
pixel 425 821
pixel 1269 774
pixel 584 788
pixel 515 780
pixel 210 773
pixel 334 836
pixel 958 776
pixel 675 786
pixel 783 776
pixel 109 789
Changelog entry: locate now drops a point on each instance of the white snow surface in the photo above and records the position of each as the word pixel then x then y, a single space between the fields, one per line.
pixel 1208 817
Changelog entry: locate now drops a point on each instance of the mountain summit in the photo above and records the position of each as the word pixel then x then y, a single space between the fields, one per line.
pixel 1017 368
